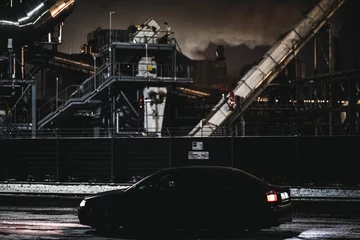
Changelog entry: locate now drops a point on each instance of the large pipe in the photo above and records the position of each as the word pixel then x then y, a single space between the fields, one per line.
pixel 32 14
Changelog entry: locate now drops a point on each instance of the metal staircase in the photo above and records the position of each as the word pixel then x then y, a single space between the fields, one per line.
pixel 261 75
pixel 83 94
pixel 74 95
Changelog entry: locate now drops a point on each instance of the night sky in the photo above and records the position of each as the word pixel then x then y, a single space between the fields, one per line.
pixel 247 28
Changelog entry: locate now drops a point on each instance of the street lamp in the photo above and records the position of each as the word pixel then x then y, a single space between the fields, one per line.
pixel 111 13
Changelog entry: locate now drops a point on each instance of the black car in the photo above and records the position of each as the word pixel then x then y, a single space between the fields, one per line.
pixel 194 197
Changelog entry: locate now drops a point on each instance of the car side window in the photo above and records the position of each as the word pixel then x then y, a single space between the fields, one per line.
pixel 151 183
pixel 204 180
pixel 245 182
pixel 175 181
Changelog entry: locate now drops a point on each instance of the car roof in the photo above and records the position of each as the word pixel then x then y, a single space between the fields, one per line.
pixel 200 167
pixel 222 169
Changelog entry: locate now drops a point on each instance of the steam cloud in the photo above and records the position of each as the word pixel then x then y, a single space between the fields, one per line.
pixel 196 23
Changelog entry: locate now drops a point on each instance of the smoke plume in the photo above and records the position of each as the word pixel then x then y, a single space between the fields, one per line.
pixel 197 23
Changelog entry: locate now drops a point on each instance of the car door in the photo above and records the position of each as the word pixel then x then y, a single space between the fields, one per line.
pixel 219 198
pixel 195 198
pixel 249 197
pixel 180 205
pixel 146 203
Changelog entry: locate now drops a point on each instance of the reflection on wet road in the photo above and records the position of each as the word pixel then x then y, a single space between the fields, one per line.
pixel 62 223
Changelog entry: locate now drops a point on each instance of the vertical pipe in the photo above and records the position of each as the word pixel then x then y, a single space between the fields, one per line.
pixel 298 159
pixel 297 88
pixel 117 123
pixel 315 72
pixel 94 71
pixel 232 151
pixel 110 28
pixel 114 116
pixel 242 126
pixel 170 150
pixel 22 63
pixel 110 109
pixel 146 57
pixel 57 158
pixel 10 51
pixel 14 66
pixel 57 93
pixel 33 108
pixel 110 43
pixel 175 73
pixel 315 55
pixel 112 161
pixel 330 85
pixel 60 32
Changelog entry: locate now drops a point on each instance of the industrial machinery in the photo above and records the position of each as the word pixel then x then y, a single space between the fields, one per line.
pixel 306 105
pixel 26 25
pixel 127 94
pixel 137 82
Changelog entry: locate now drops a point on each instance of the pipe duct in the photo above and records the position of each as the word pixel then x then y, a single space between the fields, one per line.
pixel 31 15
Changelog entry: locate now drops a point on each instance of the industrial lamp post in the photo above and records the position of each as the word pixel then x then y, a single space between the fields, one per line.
pixel 111 13
pixel 110 41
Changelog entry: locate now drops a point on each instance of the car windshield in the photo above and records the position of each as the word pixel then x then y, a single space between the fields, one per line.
pixel 150 181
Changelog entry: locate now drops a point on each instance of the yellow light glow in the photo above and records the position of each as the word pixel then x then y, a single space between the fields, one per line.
pixel 60 6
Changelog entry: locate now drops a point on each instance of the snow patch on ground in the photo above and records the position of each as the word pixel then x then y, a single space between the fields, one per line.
pixel 325 192
pixel 84 188
pixel 38 188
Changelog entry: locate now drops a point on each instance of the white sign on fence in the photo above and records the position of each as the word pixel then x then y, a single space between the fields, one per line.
pixel 193 155
pixel 197 145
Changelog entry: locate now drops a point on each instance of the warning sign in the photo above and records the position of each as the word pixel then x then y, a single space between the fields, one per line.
pixel 193 155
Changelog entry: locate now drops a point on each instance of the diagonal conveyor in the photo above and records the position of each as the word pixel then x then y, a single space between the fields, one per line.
pixel 273 62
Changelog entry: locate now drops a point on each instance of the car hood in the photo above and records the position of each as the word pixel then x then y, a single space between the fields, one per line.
pixel 106 194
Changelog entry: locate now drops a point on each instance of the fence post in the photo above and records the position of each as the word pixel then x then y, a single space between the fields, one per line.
pixel 112 160
pixel 170 152
pixel 232 151
pixel 6 153
pixel 298 160
pixel 57 158
pixel 170 146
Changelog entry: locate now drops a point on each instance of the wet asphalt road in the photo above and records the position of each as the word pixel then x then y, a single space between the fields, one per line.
pixel 62 223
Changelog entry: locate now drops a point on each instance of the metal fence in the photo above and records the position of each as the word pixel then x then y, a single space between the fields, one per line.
pixel 288 160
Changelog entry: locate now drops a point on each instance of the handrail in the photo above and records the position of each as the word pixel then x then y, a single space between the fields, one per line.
pixel 56 101
pixel 104 76
pixel 76 93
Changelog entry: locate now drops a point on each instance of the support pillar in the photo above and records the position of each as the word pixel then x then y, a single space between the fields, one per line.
pixel 33 108
pixel 330 90
pixel 352 106
pixel 316 130
pixel 11 58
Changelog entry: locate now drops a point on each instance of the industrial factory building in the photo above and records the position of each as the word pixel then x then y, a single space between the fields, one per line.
pixel 137 81
pixel 129 101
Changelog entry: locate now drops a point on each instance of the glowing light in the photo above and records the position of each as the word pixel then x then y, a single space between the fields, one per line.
pixel 35 10
pixel 271 196
pixel 73 62
pixel 60 6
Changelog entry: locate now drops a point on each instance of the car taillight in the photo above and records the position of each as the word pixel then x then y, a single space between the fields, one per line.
pixel 271 196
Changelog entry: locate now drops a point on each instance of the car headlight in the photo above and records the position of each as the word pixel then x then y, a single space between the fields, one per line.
pixel 82 204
